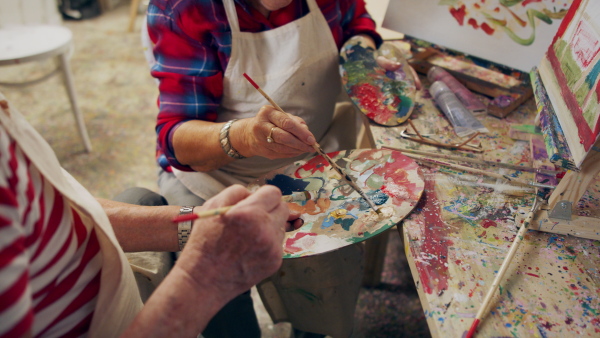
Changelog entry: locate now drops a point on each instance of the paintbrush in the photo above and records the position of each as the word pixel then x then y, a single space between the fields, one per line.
pixel 294 196
pixel 320 151
pixel 478 161
pixel 505 264
pixel 482 172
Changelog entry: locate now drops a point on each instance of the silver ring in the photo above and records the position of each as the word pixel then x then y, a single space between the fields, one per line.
pixel 270 137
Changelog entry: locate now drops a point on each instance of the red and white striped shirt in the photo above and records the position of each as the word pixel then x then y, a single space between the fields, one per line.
pixel 50 261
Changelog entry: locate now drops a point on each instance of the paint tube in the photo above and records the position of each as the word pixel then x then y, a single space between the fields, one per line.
pixel 468 99
pixel 462 120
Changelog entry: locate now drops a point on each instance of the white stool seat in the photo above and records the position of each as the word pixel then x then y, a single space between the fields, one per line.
pixel 20 44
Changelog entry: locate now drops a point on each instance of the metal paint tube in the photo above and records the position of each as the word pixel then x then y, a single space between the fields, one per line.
pixel 468 99
pixel 462 120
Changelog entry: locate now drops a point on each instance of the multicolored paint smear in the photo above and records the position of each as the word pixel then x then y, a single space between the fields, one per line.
pixel 338 216
pixel 461 230
pixel 385 97
pixel 570 71
pixel 554 137
pixel 515 18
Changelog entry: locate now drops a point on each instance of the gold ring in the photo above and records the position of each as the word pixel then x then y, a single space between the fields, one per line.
pixel 270 137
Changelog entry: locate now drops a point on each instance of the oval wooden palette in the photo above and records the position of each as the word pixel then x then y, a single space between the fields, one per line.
pixel 336 215
pixel 385 97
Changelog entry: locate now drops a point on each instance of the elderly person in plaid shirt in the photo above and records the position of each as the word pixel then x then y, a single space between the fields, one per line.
pixel 214 129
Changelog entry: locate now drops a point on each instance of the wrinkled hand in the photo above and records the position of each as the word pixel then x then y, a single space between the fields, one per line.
pixel 294 221
pixel 230 253
pixel 289 134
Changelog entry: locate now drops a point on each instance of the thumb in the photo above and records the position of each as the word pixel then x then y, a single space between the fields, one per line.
pixel 387 64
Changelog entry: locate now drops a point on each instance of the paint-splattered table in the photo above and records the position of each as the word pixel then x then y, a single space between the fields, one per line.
pixel 457 238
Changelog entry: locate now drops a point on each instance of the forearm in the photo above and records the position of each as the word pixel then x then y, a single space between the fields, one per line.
pixel 197 144
pixel 143 228
pixel 179 307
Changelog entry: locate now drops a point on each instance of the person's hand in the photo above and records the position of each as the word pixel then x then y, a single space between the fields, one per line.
pixel 294 221
pixel 393 56
pixel 274 134
pixel 230 253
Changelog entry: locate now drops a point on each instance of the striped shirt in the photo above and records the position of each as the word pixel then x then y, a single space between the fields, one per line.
pixel 192 41
pixel 50 261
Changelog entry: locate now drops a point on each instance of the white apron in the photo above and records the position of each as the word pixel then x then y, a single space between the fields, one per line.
pixel 118 298
pixel 297 65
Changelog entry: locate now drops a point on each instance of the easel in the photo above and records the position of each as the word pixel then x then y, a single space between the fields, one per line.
pixel 557 216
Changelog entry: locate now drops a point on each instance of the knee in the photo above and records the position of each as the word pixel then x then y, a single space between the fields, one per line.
pixel 140 196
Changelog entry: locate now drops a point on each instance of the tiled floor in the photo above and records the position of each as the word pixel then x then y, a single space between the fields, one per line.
pixel 118 100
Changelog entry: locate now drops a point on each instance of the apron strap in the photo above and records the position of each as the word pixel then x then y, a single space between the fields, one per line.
pixel 232 16
pixel 312 6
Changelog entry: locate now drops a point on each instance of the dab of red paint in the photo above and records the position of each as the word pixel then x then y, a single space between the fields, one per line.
pixel 488 223
pixel 459 14
pixel 290 242
pixel 369 97
pixel 473 23
pixel 487 29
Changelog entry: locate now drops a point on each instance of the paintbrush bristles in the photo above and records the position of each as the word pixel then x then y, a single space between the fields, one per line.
pixel 318 149
pixel 346 177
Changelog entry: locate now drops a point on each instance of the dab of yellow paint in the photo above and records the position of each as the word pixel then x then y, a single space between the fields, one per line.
pixel 339 213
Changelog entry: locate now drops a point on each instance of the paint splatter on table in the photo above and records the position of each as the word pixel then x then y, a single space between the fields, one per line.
pixel 337 216
pixel 461 230
pixel 385 97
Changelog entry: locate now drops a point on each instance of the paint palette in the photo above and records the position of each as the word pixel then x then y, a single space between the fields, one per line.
pixel 385 97
pixel 336 216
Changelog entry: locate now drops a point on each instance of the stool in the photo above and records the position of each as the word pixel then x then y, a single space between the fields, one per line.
pixel 20 44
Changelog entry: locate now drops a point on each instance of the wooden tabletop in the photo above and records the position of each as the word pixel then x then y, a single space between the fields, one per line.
pixel 460 232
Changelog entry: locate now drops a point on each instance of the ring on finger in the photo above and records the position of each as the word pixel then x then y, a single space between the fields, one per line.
pixel 270 137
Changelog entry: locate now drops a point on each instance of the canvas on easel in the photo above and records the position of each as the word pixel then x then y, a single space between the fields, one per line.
pixel 569 72
pixel 567 94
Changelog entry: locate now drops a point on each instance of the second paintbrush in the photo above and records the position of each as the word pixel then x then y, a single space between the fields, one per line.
pixel 320 151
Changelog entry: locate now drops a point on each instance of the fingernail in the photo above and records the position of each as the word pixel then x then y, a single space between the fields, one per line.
pixel 311 140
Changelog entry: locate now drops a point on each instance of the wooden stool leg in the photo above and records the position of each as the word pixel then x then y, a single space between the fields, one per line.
pixel 68 81
pixel 133 13
pixel 375 249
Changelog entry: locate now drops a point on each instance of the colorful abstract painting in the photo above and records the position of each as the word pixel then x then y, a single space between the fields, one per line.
pixel 515 18
pixel 336 216
pixel 509 32
pixel 570 72
pixel 385 97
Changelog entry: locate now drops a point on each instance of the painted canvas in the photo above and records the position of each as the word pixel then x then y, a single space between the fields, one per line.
pixel 336 216
pixel 570 72
pixel 514 33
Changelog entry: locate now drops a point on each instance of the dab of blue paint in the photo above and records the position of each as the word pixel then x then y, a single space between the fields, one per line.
pixel 288 184
pixel 378 197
